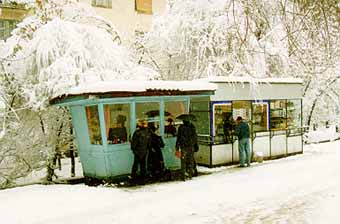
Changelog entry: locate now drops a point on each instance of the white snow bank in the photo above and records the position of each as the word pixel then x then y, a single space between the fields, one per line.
pixel 322 134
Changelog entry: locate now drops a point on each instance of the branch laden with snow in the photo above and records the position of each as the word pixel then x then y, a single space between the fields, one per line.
pixel 64 44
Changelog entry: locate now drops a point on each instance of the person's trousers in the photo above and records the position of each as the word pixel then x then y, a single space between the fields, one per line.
pixel 244 151
pixel 187 163
pixel 139 162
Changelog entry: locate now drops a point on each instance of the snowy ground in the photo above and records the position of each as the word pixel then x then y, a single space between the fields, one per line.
pixel 299 189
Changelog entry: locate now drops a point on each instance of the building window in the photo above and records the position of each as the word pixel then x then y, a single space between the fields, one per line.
pixel 6 27
pixel 173 110
pixel 93 124
pixel 102 3
pixel 117 123
pixel 143 6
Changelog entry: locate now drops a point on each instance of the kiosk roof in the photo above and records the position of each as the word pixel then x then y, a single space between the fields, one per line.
pixel 241 79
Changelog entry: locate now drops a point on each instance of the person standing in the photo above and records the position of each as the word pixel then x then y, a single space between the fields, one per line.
pixel 155 157
pixel 140 146
pixel 243 134
pixel 187 143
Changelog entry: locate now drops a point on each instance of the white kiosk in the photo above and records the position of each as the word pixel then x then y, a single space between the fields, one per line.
pixel 272 107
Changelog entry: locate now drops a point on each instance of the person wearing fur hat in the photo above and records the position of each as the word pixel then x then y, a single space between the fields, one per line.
pixel 140 146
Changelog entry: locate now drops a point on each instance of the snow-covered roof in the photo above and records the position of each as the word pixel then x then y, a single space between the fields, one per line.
pixel 140 86
pixel 216 79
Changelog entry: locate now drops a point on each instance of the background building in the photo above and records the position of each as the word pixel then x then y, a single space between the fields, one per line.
pixel 128 16
pixel 10 15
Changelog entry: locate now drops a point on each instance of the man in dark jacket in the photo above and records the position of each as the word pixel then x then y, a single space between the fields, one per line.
pixel 187 142
pixel 140 145
pixel 243 134
pixel 155 158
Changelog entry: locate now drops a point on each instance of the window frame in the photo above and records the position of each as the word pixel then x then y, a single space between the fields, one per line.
pixel 127 126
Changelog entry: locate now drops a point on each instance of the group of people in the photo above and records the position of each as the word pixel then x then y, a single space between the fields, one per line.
pixel 147 146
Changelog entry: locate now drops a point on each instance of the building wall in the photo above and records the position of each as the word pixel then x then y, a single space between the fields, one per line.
pixel 126 19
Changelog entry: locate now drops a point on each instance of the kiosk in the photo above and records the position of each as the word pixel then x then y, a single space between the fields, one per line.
pixel 105 115
pixel 272 107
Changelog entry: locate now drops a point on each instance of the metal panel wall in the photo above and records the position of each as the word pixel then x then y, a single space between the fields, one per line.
pixel 246 91
pixel 222 154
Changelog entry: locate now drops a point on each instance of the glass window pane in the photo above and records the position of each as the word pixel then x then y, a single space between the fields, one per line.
pixel 242 109
pixel 223 123
pixel 260 116
pixel 173 110
pixel 200 107
pixel 117 123
pixel 144 6
pixel 278 114
pixel 149 112
pixel 93 124
pixel 294 113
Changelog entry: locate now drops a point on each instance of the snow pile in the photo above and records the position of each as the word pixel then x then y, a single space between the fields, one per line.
pixel 322 134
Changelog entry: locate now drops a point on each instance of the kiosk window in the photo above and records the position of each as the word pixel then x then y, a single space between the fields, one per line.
pixel 260 116
pixel 223 123
pixel 278 119
pixel 173 110
pixel 243 109
pixel 200 108
pixel 294 113
pixel 148 111
pixel 117 123
pixel 93 124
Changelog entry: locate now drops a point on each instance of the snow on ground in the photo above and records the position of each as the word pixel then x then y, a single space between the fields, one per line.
pixel 323 134
pixel 298 189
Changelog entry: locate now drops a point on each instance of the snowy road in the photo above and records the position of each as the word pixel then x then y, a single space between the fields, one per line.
pixel 299 189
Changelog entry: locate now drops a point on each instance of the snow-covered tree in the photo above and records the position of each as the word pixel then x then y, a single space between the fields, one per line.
pixel 313 34
pixel 63 44
pixel 256 38
pixel 196 38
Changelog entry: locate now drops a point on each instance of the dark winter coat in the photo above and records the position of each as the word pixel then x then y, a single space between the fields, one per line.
pixel 187 137
pixel 141 142
pixel 117 135
pixel 242 130
pixel 155 157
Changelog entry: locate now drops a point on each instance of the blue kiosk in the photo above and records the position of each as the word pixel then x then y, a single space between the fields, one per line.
pixel 105 114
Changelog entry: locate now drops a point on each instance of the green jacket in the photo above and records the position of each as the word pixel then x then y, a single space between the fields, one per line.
pixel 242 130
